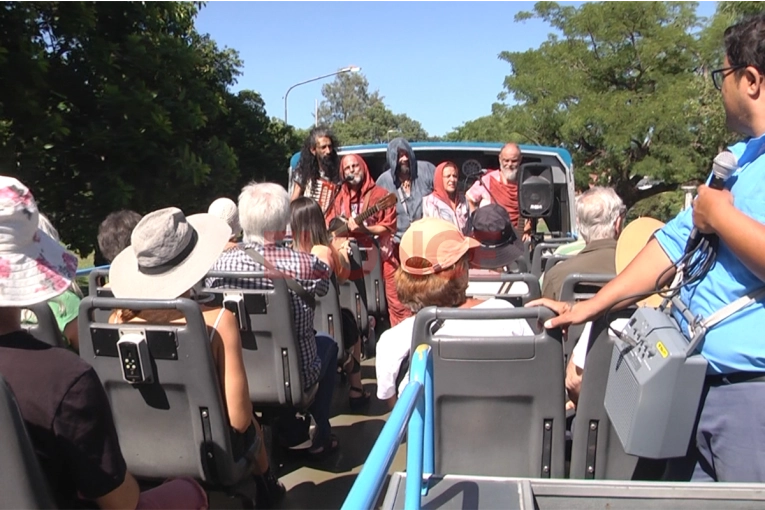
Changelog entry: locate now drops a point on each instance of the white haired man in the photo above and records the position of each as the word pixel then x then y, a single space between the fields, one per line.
pixel 264 213
pixel 600 218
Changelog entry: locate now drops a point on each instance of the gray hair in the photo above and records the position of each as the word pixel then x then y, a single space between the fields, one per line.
pixel 264 211
pixel 597 211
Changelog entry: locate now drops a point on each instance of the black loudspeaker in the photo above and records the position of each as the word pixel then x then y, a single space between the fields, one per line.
pixel 536 194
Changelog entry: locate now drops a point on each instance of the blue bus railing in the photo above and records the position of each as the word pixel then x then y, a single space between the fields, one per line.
pixel 87 270
pixel 415 406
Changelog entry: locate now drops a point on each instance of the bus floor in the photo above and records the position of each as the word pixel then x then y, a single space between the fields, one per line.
pixel 325 484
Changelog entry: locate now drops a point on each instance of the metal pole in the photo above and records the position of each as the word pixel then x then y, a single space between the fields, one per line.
pixel 349 69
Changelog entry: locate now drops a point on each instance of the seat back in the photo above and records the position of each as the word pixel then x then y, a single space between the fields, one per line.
pixel 270 344
pixel 596 451
pixel 46 328
pixel 374 282
pixel 96 281
pixel 507 280
pixel 353 292
pixel 499 401
pixel 541 253
pixel 176 425
pixel 579 287
pixel 553 260
pixel 328 318
pixel 22 482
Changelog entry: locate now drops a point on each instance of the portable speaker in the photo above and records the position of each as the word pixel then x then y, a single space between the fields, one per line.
pixel 535 190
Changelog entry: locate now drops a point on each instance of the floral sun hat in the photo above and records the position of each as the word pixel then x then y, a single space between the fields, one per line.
pixel 33 266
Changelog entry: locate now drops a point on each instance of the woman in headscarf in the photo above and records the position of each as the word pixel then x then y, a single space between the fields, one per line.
pixel 446 201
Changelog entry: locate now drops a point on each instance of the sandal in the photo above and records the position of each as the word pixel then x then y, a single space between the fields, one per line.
pixel 325 450
pixel 360 401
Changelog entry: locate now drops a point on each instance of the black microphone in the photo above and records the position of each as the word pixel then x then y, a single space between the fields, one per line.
pixel 723 167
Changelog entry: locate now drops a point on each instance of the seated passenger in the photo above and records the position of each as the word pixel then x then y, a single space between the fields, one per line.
pixel 434 272
pixel 66 306
pixel 600 216
pixel 446 201
pixel 311 236
pixel 225 209
pixel 264 212
pixel 114 233
pixel 169 254
pixel 61 399
pixel 499 250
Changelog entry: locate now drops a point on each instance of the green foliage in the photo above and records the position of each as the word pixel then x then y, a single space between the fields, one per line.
pixel 124 105
pixel 360 117
pixel 624 86
pixel 662 206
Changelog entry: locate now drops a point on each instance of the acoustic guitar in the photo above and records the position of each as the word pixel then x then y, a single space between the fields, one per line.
pixel 338 227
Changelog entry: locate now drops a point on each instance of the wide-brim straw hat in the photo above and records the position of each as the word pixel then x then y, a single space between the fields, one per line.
pixel 169 253
pixel 633 238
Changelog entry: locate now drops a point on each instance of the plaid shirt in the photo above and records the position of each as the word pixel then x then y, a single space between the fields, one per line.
pixel 309 271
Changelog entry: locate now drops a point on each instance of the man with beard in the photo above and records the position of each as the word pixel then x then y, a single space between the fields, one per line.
pixel 358 194
pixel 501 187
pixel 408 178
pixel 317 173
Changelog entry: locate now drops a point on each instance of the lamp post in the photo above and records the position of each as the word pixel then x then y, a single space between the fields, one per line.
pixel 349 69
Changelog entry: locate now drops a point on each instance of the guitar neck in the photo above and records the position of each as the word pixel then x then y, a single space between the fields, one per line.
pixel 343 229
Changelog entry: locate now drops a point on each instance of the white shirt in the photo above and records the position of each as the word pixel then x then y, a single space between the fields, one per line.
pixel 395 343
pixel 580 349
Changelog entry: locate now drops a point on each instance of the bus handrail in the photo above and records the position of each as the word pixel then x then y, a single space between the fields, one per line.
pixel 415 406
pixel 87 270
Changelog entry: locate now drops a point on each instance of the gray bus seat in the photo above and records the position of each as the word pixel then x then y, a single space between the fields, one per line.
pixel 504 281
pixel 596 452
pixel 552 260
pixel 96 281
pixel 353 293
pixel 269 341
pixel 374 282
pixel 499 402
pixel 46 328
pixel 328 318
pixel 176 424
pixel 579 287
pixel 22 481
pixel 540 255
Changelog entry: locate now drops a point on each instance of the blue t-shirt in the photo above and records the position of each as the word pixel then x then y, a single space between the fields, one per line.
pixel 736 344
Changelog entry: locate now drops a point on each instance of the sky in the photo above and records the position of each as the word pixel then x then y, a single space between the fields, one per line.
pixel 437 62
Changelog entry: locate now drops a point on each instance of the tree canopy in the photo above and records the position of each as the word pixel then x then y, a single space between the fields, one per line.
pixel 624 86
pixel 125 105
pixel 358 116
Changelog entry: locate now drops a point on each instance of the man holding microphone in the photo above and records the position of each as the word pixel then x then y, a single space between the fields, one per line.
pixel 729 440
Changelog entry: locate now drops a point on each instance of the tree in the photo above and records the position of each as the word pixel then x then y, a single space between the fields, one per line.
pixel 490 128
pixel 123 105
pixel 624 97
pixel 360 117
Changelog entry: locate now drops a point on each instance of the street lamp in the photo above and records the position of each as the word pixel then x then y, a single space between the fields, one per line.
pixel 349 69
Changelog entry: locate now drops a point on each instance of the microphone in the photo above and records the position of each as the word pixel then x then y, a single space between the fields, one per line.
pixel 723 167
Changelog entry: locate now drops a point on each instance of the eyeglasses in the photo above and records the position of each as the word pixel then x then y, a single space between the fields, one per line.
pixel 719 75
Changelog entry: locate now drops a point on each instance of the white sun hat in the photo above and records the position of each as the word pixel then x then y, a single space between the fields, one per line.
pixel 33 266
pixel 169 253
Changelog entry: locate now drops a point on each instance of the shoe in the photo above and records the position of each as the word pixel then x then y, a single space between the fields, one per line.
pixel 357 403
pixel 321 452
pixel 269 490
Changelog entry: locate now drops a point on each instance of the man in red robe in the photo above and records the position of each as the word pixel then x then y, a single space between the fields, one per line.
pixel 359 193
pixel 501 187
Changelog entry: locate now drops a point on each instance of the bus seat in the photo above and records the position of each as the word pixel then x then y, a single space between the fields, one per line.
pixel 353 293
pixel 485 284
pixel 46 329
pixel 596 452
pixel 175 424
pixel 22 482
pixel 541 255
pixel 327 317
pixel 579 287
pixel 269 341
pixel 499 402
pixel 374 281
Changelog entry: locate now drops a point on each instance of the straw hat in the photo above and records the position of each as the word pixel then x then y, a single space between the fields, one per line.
pixel 33 266
pixel 633 238
pixel 169 253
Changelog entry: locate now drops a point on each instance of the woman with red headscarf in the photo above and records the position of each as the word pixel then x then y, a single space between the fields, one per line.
pixel 446 202
pixel 358 194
